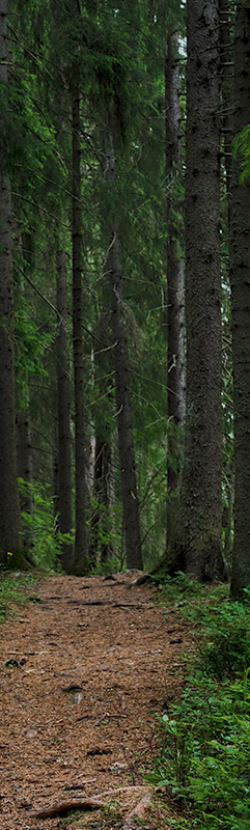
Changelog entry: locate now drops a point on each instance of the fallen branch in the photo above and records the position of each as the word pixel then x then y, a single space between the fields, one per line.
pixel 130 788
pixel 68 806
pixel 93 803
pixel 109 603
pixel 137 811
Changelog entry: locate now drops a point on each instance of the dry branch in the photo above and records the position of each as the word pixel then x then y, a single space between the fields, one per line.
pixel 68 806
pixel 137 811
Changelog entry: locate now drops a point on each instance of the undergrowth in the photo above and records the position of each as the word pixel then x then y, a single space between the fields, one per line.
pixel 14 589
pixel 204 762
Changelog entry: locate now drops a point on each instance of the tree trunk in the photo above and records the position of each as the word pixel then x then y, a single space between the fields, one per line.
pixel 201 489
pixel 80 539
pixel 63 398
pixel 175 292
pixel 124 420
pixel 227 73
pixel 9 501
pixel 240 288
pixel 24 460
pixel 101 525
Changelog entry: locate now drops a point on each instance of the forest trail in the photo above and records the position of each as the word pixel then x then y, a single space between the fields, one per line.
pixel 90 663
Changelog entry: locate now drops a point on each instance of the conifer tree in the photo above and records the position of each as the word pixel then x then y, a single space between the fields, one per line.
pixel 9 501
pixel 201 489
pixel 175 290
pixel 80 537
pixel 123 414
pixel 64 501
pixel 240 311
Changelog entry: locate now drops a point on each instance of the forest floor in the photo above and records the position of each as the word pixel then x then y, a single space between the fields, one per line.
pixel 84 668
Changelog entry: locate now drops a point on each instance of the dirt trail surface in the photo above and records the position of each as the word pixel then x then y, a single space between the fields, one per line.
pixel 83 671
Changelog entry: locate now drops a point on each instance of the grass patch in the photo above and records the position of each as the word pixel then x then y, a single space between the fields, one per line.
pixel 14 590
pixel 204 762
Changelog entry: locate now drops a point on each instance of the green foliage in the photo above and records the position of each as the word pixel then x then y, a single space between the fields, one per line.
pixel 204 761
pixel 241 145
pixel 181 590
pixel 40 527
pixel 206 757
pixel 226 646
pixel 13 589
pixel 30 345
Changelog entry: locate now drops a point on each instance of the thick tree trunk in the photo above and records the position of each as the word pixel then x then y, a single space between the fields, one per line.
pixel 123 404
pixel 24 459
pixel 9 500
pixel 227 73
pixel 80 540
pixel 240 287
pixel 101 526
pixel 175 292
pixel 63 398
pixel 24 470
pixel 201 489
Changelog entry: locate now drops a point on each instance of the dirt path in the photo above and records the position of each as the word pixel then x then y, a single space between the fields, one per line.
pixel 95 661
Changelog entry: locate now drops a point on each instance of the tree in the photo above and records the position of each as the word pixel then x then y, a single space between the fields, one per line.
pixel 80 538
pixel 175 289
pixel 115 143
pixel 64 501
pixel 9 502
pixel 201 488
pixel 240 309
pixel 123 414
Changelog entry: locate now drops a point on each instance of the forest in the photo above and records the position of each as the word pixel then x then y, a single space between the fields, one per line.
pixel 124 286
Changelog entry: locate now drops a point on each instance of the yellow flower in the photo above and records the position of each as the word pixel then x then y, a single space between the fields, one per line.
pixel 9 554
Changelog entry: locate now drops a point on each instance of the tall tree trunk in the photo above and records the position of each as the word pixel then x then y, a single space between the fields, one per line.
pixel 227 74
pixel 240 288
pixel 24 458
pixel 175 292
pixel 123 404
pixel 9 501
pixel 201 489
pixel 63 398
pixel 101 526
pixel 80 539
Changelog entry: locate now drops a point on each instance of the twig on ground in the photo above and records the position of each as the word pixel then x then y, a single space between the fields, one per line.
pixel 137 811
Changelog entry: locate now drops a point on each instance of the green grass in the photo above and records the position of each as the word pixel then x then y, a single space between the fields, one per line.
pixel 15 589
pixel 204 762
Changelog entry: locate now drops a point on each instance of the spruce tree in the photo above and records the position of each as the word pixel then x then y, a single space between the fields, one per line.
pixel 64 501
pixel 240 310
pixel 201 489
pixel 9 500
pixel 175 289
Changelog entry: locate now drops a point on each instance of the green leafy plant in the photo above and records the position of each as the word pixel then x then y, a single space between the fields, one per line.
pixel 13 589
pixel 40 527
pixel 204 761
pixel 225 648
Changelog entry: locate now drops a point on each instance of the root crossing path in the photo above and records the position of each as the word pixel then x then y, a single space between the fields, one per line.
pixel 84 668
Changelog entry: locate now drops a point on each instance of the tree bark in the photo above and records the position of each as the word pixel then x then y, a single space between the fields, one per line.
pixel 240 310
pixel 80 539
pixel 101 525
pixel 123 414
pixel 63 398
pixel 24 459
pixel 227 74
pixel 201 489
pixel 175 292
pixel 9 501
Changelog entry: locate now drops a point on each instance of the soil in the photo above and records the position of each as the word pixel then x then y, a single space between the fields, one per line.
pixel 84 668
